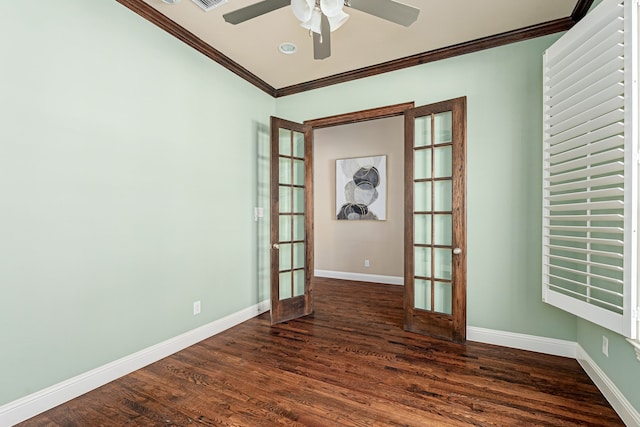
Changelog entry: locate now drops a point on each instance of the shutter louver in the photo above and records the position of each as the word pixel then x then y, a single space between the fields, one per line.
pixel 590 169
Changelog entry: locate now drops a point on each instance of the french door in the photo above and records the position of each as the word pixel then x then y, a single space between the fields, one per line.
pixel 291 220
pixel 435 226
pixel 435 216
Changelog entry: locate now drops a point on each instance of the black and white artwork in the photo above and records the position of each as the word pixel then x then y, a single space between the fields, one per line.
pixel 361 188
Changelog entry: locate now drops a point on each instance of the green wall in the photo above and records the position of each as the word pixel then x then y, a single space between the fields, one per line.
pixel 127 185
pixel 129 169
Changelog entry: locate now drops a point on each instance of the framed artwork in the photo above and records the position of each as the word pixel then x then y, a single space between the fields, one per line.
pixel 361 188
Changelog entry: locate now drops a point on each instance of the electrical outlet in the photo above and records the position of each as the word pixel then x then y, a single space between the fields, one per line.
pixel 196 308
pixel 366 263
pixel 605 346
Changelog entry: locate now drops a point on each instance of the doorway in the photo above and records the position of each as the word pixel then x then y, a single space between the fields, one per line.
pixel 365 250
pixel 434 220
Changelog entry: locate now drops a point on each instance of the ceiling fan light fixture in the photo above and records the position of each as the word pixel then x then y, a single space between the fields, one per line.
pixel 335 21
pixel 302 9
pixel 331 7
pixel 321 17
pixel 313 23
pixel 171 1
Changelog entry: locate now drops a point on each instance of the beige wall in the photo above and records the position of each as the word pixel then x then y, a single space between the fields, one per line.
pixel 344 245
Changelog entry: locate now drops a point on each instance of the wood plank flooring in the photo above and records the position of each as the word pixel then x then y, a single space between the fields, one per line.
pixel 348 364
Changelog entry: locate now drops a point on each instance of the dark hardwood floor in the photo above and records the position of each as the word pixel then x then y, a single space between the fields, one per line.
pixel 348 364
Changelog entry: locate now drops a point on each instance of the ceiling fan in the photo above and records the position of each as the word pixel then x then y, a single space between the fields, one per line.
pixel 321 17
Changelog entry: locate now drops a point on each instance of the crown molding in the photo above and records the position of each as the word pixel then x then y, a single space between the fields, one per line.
pixel 179 32
pixel 155 17
pixel 514 36
pixel 581 9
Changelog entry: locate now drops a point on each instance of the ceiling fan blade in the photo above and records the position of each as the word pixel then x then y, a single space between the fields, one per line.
pixel 387 9
pixel 322 42
pixel 254 10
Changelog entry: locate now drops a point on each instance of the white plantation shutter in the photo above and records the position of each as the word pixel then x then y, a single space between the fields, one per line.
pixel 590 169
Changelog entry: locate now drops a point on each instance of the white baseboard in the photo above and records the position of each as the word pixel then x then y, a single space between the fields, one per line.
pixel 630 416
pixel 360 277
pixel 50 397
pixel 544 345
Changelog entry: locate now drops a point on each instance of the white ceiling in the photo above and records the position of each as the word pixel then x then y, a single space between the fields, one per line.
pixel 363 41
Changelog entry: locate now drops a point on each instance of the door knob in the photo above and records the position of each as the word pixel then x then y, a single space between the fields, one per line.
pixel 457 251
pixel 276 246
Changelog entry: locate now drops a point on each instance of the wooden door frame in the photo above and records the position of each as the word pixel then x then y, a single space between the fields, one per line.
pixel 360 116
pixel 338 120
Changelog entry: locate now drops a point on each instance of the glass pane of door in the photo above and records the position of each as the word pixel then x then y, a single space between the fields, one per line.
pixel 291 182
pixel 432 189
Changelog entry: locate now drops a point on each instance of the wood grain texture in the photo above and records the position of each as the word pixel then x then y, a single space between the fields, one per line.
pixel 348 364
pixel 360 116
pixel 459 225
